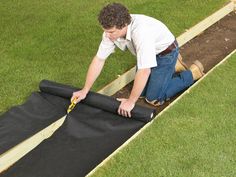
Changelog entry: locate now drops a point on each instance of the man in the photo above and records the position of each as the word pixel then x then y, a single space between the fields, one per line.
pixel 156 50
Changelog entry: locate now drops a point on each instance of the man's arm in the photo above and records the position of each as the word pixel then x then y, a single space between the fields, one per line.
pixel 94 71
pixel 140 81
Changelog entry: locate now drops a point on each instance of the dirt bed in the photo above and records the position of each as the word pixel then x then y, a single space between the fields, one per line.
pixel 210 47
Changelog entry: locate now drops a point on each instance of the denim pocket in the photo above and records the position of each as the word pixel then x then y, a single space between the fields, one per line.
pixel 167 59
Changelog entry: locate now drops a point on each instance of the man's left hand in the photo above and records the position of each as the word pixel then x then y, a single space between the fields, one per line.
pixel 125 107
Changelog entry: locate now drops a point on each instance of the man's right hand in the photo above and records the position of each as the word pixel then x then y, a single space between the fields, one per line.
pixel 79 95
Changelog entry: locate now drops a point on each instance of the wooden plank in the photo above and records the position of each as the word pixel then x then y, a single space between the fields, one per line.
pixel 11 156
pixel 234 1
pixel 148 124
pixel 119 83
pixel 128 77
pixel 206 23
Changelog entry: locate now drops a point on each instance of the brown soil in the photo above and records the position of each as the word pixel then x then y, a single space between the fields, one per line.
pixel 210 47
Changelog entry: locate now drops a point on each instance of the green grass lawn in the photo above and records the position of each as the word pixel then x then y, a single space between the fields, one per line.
pixel 57 39
pixel 195 137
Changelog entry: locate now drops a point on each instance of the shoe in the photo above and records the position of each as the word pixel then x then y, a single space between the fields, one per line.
pixel 180 65
pixel 155 102
pixel 197 70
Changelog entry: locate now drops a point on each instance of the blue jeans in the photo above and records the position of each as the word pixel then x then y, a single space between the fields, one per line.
pixel 163 82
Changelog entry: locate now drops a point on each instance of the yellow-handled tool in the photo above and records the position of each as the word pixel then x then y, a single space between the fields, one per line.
pixel 72 105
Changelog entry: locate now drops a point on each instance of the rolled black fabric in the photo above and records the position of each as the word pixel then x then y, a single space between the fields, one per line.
pixel 90 133
pixel 87 136
pixel 23 121
pixel 96 100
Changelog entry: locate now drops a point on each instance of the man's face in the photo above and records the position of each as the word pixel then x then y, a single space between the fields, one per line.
pixel 115 33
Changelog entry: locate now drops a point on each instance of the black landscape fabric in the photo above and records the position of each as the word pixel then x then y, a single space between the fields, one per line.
pixel 91 132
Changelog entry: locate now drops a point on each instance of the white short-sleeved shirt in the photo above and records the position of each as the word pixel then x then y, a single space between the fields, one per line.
pixel 146 37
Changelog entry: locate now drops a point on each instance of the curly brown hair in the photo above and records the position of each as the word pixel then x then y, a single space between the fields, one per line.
pixel 114 15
